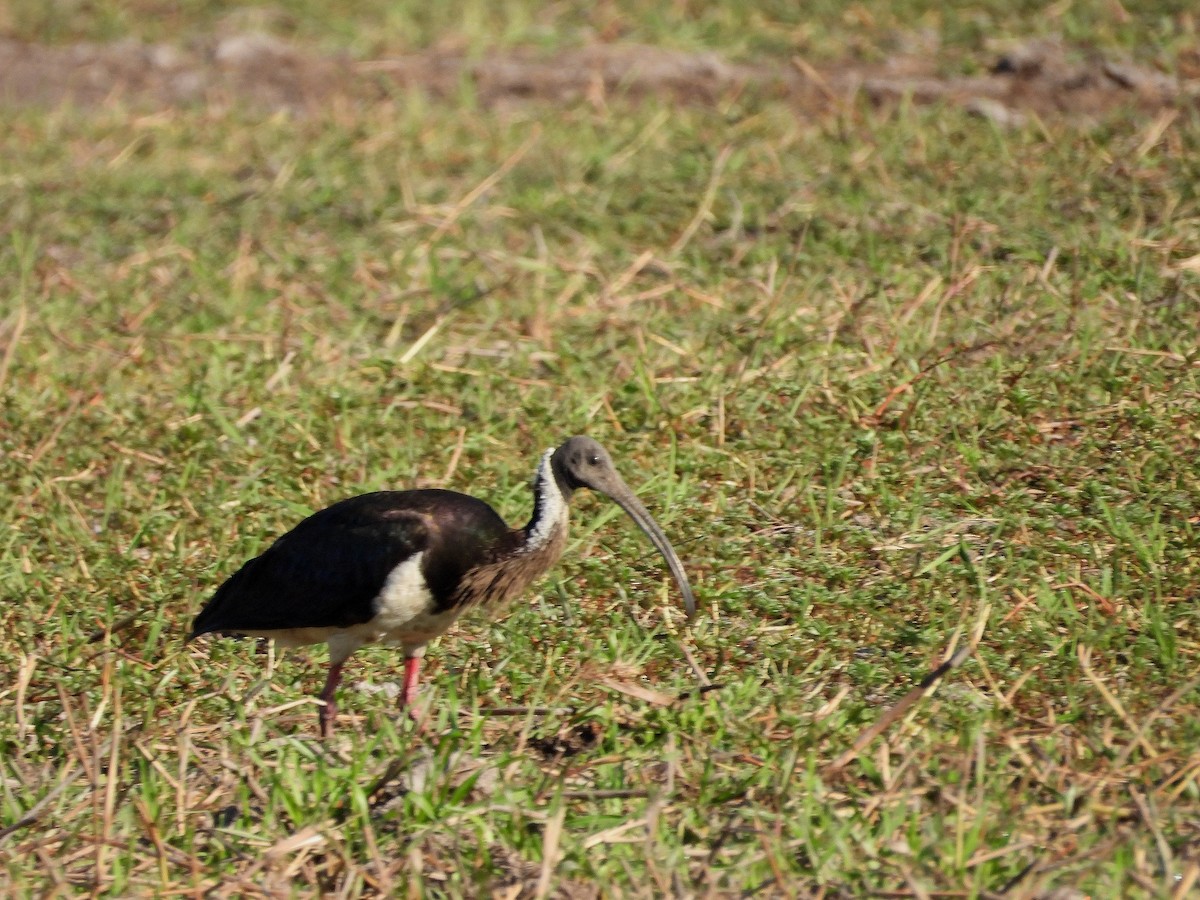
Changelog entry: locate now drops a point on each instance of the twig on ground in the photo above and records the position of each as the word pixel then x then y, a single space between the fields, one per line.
pixel 706 202
pixel 527 711
pixel 906 703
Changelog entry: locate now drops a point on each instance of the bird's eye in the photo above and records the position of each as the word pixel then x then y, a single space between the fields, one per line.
pixel 593 460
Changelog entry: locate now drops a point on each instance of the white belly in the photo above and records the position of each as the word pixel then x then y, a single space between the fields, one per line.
pixel 405 615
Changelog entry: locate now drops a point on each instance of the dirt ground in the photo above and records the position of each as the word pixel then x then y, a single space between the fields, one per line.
pixel 1042 77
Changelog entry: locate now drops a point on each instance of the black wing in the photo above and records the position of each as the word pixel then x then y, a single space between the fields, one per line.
pixel 329 569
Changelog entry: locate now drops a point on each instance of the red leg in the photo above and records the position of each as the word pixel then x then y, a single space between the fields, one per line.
pixel 408 692
pixel 328 711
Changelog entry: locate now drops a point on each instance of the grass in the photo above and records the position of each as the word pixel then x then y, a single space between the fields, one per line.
pixel 893 381
pixel 822 30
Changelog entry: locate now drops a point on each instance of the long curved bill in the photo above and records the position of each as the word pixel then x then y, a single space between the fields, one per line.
pixel 620 494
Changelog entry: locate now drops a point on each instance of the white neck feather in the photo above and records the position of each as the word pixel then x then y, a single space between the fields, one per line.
pixel 550 506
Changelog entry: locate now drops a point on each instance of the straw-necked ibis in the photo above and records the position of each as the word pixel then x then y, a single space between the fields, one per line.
pixel 400 567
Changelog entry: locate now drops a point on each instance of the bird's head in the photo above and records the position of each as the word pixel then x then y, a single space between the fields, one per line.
pixel 582 463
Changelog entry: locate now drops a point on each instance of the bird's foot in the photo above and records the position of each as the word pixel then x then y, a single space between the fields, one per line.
pixel 328 715
pixel 328 709
pixel 408 691
pixel 409 708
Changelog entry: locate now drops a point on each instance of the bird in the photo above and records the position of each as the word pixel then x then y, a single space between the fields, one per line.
pixel 401 567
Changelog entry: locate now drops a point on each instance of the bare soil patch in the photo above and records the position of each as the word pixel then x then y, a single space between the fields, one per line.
pixel 260 71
